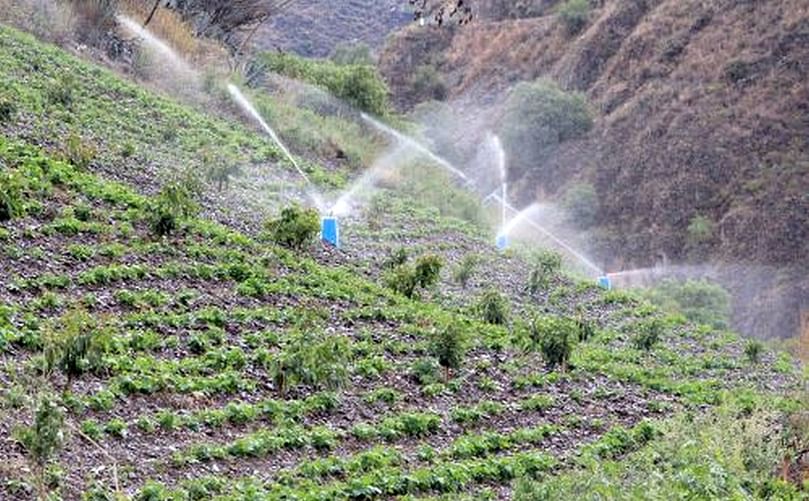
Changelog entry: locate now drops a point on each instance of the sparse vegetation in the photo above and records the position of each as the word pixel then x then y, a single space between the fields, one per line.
pixel 575 14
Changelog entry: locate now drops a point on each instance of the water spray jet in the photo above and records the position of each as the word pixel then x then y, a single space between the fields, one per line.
pixel 248 108
pixel 409 141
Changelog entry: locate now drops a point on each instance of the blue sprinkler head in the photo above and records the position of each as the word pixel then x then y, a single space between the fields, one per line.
pixel 605 282
pixel 502 242
pixel 330 231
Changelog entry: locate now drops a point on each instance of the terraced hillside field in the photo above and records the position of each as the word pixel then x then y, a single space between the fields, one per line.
pixel 151 353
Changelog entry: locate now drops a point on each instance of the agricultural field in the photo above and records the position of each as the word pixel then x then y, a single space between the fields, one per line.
pixel 157 346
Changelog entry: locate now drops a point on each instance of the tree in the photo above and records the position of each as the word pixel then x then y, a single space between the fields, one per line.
pixel 448 345
pixel 538 117
pixel 42 440
pixel 227 20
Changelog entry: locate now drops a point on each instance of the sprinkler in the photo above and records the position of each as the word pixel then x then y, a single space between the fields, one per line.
pixel 605 282
pixel 330 231
pixel 502 242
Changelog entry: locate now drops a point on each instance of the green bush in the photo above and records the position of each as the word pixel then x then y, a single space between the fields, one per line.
pixel 407 279
pixel 358 84
pixel 581 203
pixel 11 195
pixel 554 337
pixel 538 116
pixel 700 301
pixel 46 436
pixel 575 14
pixel 425 371
pixel 174 204
pixel 463 272
pixel 311 359
pixel 79 152
pixel 428 84
pixel 7 109
pixel 493 307
pixel 61 91
pixel 72 346
pixel 449 345
pixel 752 350
pixel 357 53
pixel 296 227
pixel 546 266
pixel 648 335
pixel 701 230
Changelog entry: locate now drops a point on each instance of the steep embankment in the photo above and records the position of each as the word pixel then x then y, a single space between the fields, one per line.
pixel 701 109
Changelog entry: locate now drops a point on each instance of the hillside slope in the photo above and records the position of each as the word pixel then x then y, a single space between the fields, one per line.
pixel 208 362
pixel 701 110
pixel 314 28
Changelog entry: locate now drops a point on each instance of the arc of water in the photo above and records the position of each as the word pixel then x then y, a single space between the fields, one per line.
pixel 523 216
pixel 501 198
pixel 245 105
pixel 155 43
pixel 415 145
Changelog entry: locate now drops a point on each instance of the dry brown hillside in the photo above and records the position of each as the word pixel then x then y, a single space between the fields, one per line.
pixel 702 107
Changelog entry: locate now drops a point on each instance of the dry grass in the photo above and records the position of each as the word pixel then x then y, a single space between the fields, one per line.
pixel 165 24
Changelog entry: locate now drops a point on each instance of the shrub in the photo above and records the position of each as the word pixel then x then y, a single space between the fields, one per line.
pixel 448 346
pixel 7 109
pixel 547 265
pixel 425 371
pixel 463 272
pixel 295 228
pixel 553 337
pixel 428 84
pixel 78 152
pixel 174 204
pixel 699 301
pixel 574 13
pixel 428 270
pixel 648 335
pixel 11 195
pixel 352 54
pixel 395 258
pixel 61 91
pixel 73 346
pixel 581 203
pixel 493 307
pixel 585 328
pixel 701 230
pixel 316 360
pixel 358 84
pixel 42 440
pixel 407 279
pixel 538 116
pixel 752 350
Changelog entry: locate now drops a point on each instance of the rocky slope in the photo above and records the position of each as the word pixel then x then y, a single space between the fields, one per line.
pixel 313 28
